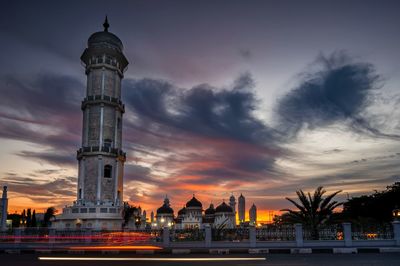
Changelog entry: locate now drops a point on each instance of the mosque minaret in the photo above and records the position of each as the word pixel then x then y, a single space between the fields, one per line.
pixel 99 201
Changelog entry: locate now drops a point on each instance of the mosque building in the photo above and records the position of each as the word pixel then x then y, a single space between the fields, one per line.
pixel 192 216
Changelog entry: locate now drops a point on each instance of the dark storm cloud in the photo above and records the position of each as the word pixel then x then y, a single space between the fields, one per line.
pixel 133 172
pixel 202 110
pixel 338 92
pixel 46 96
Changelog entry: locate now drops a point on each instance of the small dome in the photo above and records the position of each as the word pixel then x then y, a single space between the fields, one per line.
pixel 165 209
pixel 232 198
pixel 105 37
pixel 194 203
pixel 210 210
pixel 182 211
pixel 223 207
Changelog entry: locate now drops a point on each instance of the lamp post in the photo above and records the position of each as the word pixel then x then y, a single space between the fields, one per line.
pixel 396 225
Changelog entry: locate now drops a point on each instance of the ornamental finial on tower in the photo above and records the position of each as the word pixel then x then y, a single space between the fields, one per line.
pixel 106 25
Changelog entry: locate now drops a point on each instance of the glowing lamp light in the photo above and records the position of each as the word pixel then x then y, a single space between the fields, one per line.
pixel 396 213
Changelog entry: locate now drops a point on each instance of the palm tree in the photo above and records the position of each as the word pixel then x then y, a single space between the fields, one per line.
pixel 313 211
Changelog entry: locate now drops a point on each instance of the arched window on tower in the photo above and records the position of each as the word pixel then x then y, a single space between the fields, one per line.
pixel 107 171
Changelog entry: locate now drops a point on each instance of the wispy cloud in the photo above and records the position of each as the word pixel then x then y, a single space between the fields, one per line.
pixel 337 91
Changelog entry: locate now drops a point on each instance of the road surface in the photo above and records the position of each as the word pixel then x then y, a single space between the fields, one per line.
pixel 378 259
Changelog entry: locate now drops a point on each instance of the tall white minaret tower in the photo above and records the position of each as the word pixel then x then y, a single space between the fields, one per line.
pixel 101 159
pixel 99 201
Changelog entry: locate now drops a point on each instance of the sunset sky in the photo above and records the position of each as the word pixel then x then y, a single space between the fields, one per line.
pixel 255 97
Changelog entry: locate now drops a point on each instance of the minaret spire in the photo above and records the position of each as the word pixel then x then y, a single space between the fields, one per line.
pixel 106 25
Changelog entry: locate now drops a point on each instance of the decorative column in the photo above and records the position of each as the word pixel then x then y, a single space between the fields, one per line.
pixel 208 235
pixel 396 232
pixel 298 230
pixel 252 236
pixel 165 236
pixel 99 176
pixel 348 241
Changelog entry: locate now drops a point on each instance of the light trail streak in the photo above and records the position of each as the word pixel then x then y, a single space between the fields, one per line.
pixel 115 248
pixel 146 259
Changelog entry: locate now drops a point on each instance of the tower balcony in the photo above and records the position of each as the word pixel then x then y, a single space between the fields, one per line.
pixel 99 99
pixel 97 150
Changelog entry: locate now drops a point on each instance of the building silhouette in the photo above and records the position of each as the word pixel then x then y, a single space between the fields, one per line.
pixel 232 204
pixel 242 209
pixel 253 215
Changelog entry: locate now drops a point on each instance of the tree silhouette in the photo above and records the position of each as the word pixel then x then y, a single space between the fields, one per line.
pixel 50 213
pixel 375 208
pixel 33 222
pixel 28 218
pixel 313 211
pixel 128 212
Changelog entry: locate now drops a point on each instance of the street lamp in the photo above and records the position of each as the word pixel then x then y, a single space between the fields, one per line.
pixel 396 214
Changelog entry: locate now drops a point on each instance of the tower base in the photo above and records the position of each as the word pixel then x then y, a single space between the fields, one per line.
pixel 95 217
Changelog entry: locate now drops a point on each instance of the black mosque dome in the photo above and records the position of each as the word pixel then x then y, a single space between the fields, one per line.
pixel 105 38
pixel 223 207
pixel 165 209
pixel 194 203
pixel 210 210
pixel 182 211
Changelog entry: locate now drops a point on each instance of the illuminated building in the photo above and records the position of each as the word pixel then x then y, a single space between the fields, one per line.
pixel 164 216
pixel 224 217
pixel 191 216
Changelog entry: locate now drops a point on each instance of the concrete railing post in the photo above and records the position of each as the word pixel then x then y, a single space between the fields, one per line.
pixel 88 236
pixel 165 236
pixel 208 235
pixel 252 236
pixel 348 240
pixel 52 235
pixel 396 232
pixel 298 230
pixel 17 235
